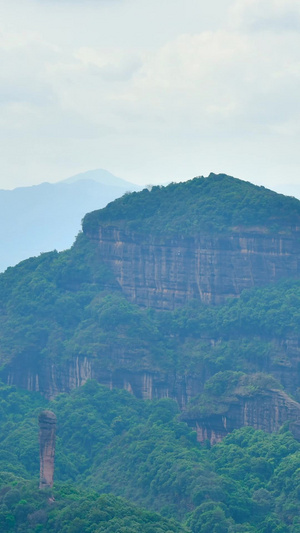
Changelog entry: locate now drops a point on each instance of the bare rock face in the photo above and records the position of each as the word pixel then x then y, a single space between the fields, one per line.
pixel 267 411
pixel 47 423
pixel 146 383
pixel 165 273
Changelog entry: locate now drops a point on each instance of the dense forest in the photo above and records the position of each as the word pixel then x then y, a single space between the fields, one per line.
pixel 112 442
pixel 131 460
pixel 197 205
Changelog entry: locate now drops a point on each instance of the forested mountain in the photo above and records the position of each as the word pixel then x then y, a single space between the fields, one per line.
pixel 47 216
pixel 187 297
pixel 214 204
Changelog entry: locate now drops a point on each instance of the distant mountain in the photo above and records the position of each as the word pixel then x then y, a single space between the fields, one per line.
pixel 47 216
pixel 101 176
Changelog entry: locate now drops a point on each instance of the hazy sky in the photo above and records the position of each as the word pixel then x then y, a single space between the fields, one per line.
pixel 153 91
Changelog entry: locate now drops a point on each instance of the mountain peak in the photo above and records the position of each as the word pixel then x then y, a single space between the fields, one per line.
pixel 102 176
pixel 217 203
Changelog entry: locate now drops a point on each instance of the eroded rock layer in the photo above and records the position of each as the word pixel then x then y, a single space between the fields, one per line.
pixel 50 378
pixel 165 273
pixel 267 411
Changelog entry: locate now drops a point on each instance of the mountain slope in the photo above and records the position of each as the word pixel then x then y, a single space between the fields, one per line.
pixel 67 322
pixel 66 316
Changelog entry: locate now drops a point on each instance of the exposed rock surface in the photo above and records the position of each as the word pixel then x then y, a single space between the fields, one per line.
pixel 165 273
pixel 267 411
pixel 47 423
pixel 51 378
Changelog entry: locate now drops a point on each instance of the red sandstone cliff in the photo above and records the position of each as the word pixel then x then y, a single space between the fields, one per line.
pixel 165 273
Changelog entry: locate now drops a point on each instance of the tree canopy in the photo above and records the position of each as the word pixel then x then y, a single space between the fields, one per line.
pixel 218 203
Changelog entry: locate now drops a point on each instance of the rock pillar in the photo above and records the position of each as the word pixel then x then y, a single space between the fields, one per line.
pixel 47 423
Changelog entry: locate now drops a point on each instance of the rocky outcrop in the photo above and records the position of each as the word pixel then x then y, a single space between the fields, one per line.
pixel 49 377
pixel 52 377
pixel 164 273
pixel 47 423
pixel 267 411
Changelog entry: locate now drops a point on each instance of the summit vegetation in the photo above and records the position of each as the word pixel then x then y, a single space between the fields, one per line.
pixel 215 204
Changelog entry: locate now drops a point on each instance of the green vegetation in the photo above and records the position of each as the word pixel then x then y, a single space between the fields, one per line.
pixel 215 204
pixel 111 442
pixel 115 452
pixel 225 388
pixel 271 311
pixel 24 509
pixel 58 306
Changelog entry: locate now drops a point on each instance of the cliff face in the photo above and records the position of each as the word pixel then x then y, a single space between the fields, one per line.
pixel 267 411
pixel 51 378
pixel 166 273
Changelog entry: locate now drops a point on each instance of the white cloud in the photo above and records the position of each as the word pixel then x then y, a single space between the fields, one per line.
pixel 266 15
pixel 218 81
pixel 168 89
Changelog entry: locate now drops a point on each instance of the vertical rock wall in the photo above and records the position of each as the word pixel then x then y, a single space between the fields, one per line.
pixel 164 273
pixel 267 411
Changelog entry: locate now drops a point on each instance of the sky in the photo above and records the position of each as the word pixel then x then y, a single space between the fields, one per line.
pixel 152 91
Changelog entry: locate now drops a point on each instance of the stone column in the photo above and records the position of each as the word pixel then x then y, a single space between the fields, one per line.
pixel 47 423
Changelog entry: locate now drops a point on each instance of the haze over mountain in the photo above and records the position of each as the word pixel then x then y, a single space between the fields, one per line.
pixel 47 216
